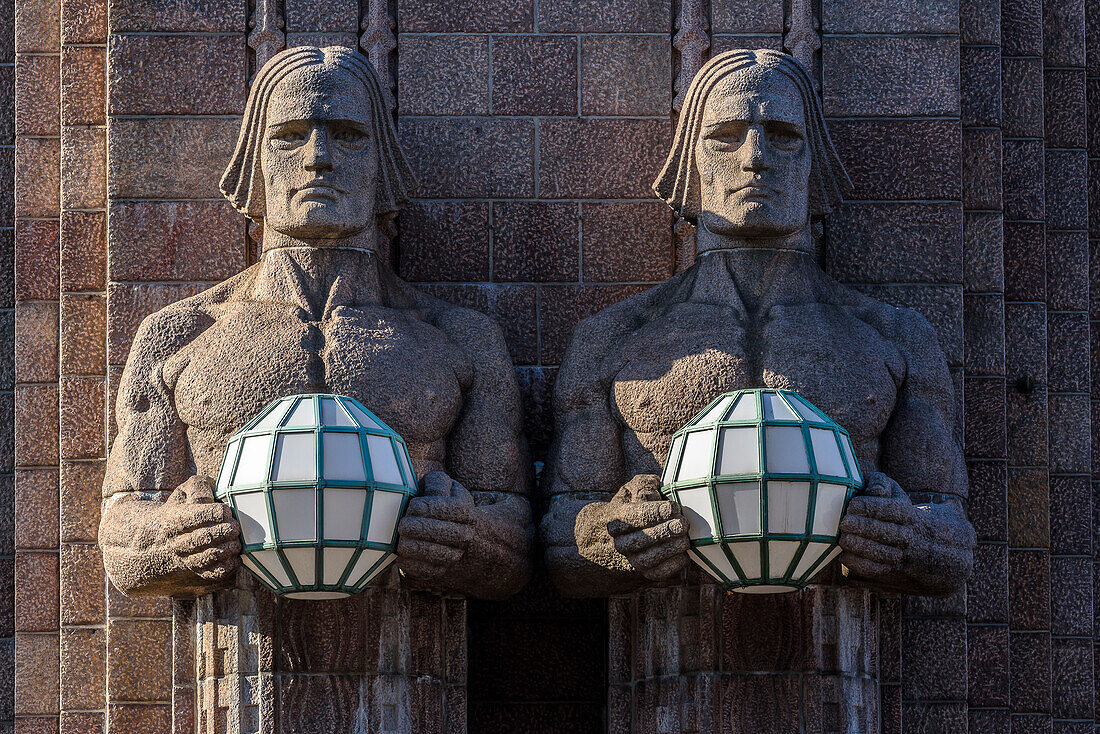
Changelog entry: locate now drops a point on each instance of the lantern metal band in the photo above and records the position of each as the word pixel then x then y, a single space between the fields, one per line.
pixel 318 484
pixel 763 478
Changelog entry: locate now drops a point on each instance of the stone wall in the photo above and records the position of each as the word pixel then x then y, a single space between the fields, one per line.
pixel 535 130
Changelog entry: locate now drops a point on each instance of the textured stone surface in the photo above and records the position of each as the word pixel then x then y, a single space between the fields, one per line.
pixel 337 15
pixel 1030 679
pixel 898 16
pixel 37 27
pixel 600 158
pixel 534 75
pixel 627 241
pixel 981 169
pixel 1022 27
pixel 36 592
pixel 1022 97
pixel 980 85
pixel 888 159
pixel 84 168
pixel 923 243
pixel 1022 172
pixel 535 241
pixel 168 158
pixel 604 16
pixel 83 71
pixel 1064 107
pixel 891 76
pixel 83 665
pixel 37 178
pixel 439 75
pixel 465 16
pixel 37 84
pixel 625 75
pixel 514 307
pixel 445 240
pixel 470 157
pixel 176 15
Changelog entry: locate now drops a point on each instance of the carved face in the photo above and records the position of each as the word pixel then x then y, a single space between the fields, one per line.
pixel 319 160
pixel 752 156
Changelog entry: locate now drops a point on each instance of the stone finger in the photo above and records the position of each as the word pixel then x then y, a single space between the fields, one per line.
pixel 862 566
pixel 887 533
pixel 888 509
pixel 207 536
pixel 427 552
pixel 653 557
pixel 638 515
pixel 871 550
pixel 666 569
pixel 441 508
pixel 436 531
pixel 639 541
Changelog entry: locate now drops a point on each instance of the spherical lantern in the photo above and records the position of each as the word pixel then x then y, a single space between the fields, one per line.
pixel 763 478
pixel 318 484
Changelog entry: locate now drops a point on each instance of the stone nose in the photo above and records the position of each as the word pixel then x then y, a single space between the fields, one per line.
pixel 755 157
pixel 317 154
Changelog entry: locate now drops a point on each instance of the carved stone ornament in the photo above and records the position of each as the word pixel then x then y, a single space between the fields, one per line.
pixel 317 162
pixel 751 161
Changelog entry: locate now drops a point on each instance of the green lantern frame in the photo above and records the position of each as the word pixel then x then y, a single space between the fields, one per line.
pixel 806 417
pixel 376 554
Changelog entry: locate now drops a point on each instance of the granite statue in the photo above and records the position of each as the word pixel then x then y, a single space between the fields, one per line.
pixel 317 163
pixel 752 166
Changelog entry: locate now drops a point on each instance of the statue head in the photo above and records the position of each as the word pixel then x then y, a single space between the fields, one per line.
pixel 751 157
pixel 317 156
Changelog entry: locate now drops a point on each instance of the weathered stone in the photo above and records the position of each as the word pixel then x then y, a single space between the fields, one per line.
pixel 1022 97
pixel 625 75
pixel 465 16
pixel 83 168
pixel 980 86
pixel 900 159
pixel 536 241
pixel 441 75
pixel 604 16
pixel 891 76
pixel 592 157
pixel 470 157
pixel 626 242
pixel 335 16
pixel 981 177
pixel 897 16
pixel 83 81
pixel 1022 27
pixel 1022 170
pixel 186 16
pixel 445 240
pixel 167 158
pixel 534 75
pixel 37 85
pixel 1064 105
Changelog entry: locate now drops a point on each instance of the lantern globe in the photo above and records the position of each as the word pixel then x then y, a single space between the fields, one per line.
pixel 763 478
pixel 318 484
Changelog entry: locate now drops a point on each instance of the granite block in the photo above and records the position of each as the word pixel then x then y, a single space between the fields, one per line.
pixel 83 251
pixel 536 385
pixel 83 21
pixel 83 84
pixel 129 303
pixel 746 16
pixel 465 16
pixel 604 16
pixel 1027 426
pixel 987 588
pixel 83 668
pixel 1071 607
pixel 36 591
pixel 1068 351
pixel 183 16
pixel 934 717
pixel 7 105
pixel 563 306
pixel 36 343
pixel 1022 177
pixel 980 86
pixel 626 75
pixel 988 491
pixel 987 667
pixel 1070 439
pixel 1028 589
pixel 167 158
pixel 37 95
pixel 36 425
pixel 38 27
pixel 139 664
pixel 1028 508
pixel 1092 115
pixel 1070 526
pixel 901 159
pixel 444 240
pixel 981 170
pixel 82 410
pixel 442 75
pixel 36 669
pixel 1067 271
pixel 983 331
pixel 1031 674
pixel 1024 261
pixel 535 241
pixel 135 718
pixel 985 418
pixel 600 158
pixel 513 307
pixel 891 76
pixel 1072 680
pixel 626 241
pixel 332 16
pixel 1066 189
pixel 37 177
pixel 940 305
pixel 83 168
pixel 470 157
pixel 1021 97
pixel 980 22
pixel 1064 33
pixel 534 75
pixel 1022 27
pixel 80 500
pixel 1064 107
pixel 36 506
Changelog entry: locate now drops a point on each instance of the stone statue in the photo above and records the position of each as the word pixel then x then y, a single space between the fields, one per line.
pixel 751 163
pixel 318 163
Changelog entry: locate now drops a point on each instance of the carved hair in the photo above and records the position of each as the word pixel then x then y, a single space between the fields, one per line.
pixel 243 181
pixel 678 183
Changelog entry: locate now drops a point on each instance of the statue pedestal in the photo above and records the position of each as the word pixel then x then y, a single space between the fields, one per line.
pixel 693 658
pixel 385 661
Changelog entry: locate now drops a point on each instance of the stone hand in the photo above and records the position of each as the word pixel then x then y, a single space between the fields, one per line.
pixel 437 529
pixel 889 543
pixel 188 544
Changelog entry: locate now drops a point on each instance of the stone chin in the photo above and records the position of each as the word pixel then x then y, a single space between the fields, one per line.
pixel 754 219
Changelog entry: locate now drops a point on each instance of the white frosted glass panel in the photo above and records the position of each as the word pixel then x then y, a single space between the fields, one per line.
pixel 786 453
pixel 697 456
pixel 706 569
pixel 295 515
pixel 269 559
pixel 344 513
pixel 303 561
pixel 788 503
pixel 826 452
pixel 695 504
pixel 383 516
pixel 744 410
pixel 748 557
pixel 829 558
pixel 382 461
pixel 775 408
pixel 804 408
pixel 343 457
pixel 273 416
pixel 227 466
pixel 852 463
pixel 302 415
pixel 295 455
pixel 830 502
pixel 738 451
pixel 381 569
pixel 252 515
pixel 403 454
pixel 673 457
pixel 333 415
pixel 806 562
pixel 780 555
pixel 714 554
pixel 335 561
pixel 364 420
pixel 252 466
pixel 363 564
pixel 739 506
pixel 715 413
pixel 251 566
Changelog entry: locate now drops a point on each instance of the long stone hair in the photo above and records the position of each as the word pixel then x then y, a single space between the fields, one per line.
pixel 678 183
pixel 243 181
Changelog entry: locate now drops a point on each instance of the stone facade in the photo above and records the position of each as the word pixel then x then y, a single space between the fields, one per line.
pixel 966 131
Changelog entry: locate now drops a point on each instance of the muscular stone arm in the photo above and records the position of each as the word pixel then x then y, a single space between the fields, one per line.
pixel 921 456
pixel 161 532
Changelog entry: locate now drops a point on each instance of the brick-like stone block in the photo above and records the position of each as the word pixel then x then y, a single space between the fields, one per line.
pixel 1064 106
pixel 83 81
pixel 332 16
pixel 536 384
pixel 1028 589
pixel 178 75
pixel 604 16
pixel 1022 97
pixel 1072 683
pixel 82 598
pixel 83 251
pixel 7 516
pixel 1071 608
pixel 1092 114
pixel 983 253
pixel 36 591
pixel 980 85
pixel 940 305
pixel 513 307
pixel 721 43
pixel 1022 27
pixel 36 342
pixel 1024 261
pixel 898 16
pixel 626 75
pixel 350 40
pixel 170 240
pixel 465 16
pixel 128 304
pixel 563 306
pixel 1068 351
pixel 935 658
pixel 594 158
pixel 1066 189
pixel 80 500
pixel 984 418
pixel 470 157
pixel 82 410
pixel 983 331
pixel 626 241
pixel 1027 426
pixel 981 169
pixel 444 240
pixel 1030 680
pixel 36 671
pixel 7 194
pixel 442 75
pixel 1064 33
pixel 1022 176
pixel 36 506
pixel 84 21
pixel 987 588
pixel 1067 271
pixel 38 27
pixel 82 722
pixel 535 241
pixel 1070 527
pixel 83 668
pixel 37 177
pixel 185 16
pixel 139 662
pixel 169 157
pixel 7 432
pixel 534 75
pixel 745 16
pixel 1070 441
pixel 7 105
pixel 138 718
pixel 900 159
pixel 987 666
pixel 891 76
pixel 924 243
pixel 1028 508
pixel 36 244
pixel 83 349
pixel 988 494
pixel 36 425
pixel 83 168
pixel 37 95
